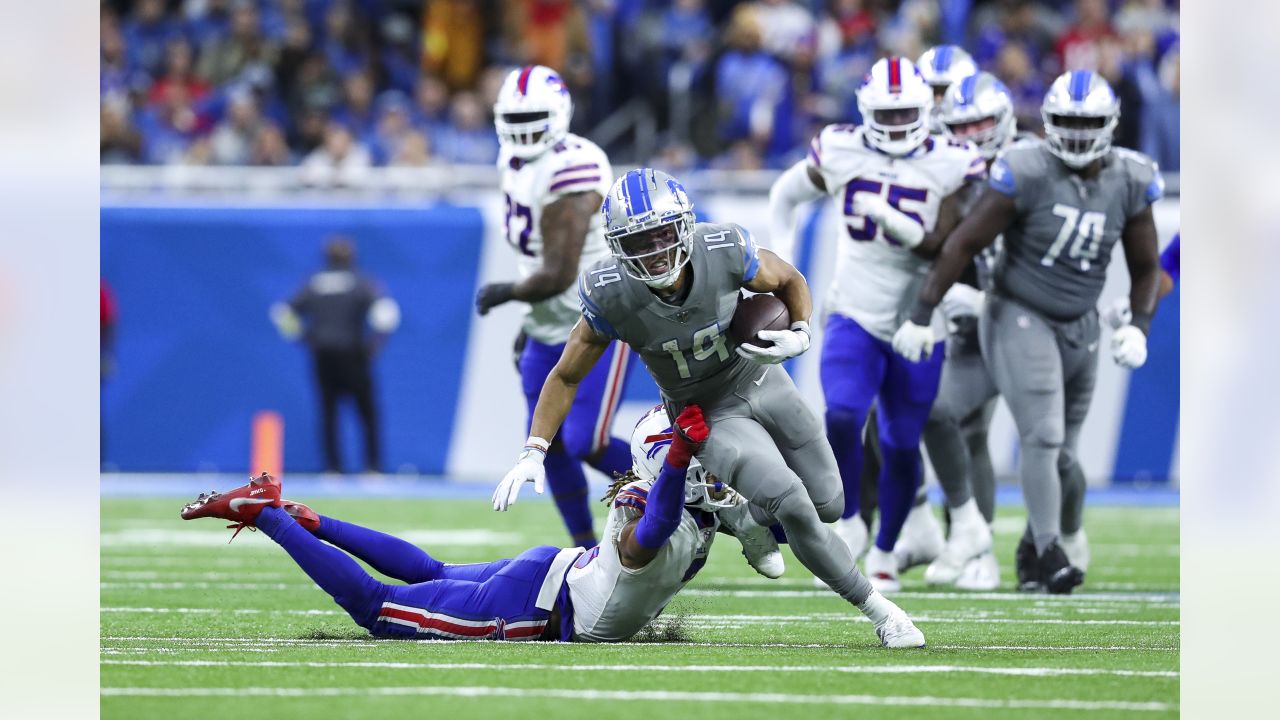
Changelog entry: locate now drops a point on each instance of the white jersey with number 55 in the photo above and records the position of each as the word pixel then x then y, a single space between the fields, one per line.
pixel 572 166
pixel 876 279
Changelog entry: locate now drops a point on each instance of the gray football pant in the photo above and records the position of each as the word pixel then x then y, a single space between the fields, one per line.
pixel 956 432
pixel 768 445
pixel 1046 372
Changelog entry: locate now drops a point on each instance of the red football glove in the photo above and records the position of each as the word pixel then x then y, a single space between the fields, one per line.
pixel 690 432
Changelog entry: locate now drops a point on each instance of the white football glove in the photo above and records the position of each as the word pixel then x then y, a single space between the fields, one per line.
pixel 962 300
pixel 1118 314
pixel 786 344
pixel 914 342
pixel 528 469
pixel 897 225
pixel 1129 347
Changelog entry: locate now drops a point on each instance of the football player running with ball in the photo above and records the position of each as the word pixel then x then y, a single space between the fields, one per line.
pixel 670 292
pixel 554 182
pixel 901 193
pixel 663 517
pixel 1061 205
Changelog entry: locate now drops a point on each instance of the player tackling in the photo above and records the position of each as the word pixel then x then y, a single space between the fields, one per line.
pixel 670 292
pixel 663 517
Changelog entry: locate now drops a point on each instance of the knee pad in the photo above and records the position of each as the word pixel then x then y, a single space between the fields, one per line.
pixel 793 506
pixel 831 510
pixel 1046 432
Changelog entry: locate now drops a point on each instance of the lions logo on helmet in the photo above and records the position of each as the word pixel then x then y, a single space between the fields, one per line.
pixel 979 109
pixel 895 102
pixel 1080 113
pixel 649 445
pixel 648 221
pixel 532 112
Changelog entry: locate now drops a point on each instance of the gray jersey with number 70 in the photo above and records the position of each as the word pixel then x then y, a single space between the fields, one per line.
pixel 686 347
pixel 1057 249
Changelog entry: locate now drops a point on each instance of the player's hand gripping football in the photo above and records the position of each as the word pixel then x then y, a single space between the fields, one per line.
pixel 529 469
pixel 786 344
pixel 689 433
pixel 1129 347
pixel 913 342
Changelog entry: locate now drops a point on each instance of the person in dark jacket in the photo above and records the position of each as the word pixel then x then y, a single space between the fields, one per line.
pixel 343 317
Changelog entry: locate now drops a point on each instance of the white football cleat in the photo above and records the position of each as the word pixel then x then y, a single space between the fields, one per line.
pixel 970 537
pixel 980 573
pixel 1076 546
pixel 854 533
pixel 758 544
pixel 921 540
pixel 882 570
pixel 892 625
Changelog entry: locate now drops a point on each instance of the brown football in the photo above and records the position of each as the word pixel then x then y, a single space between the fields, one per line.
pixel 756 313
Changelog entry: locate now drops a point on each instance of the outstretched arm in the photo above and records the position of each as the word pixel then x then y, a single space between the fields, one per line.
pixel 642 539
pixel 799 184
pixel 581 353
pixel 563 227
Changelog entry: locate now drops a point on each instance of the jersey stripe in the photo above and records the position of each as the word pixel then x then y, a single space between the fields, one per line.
pixel 588 180
pixel 575 168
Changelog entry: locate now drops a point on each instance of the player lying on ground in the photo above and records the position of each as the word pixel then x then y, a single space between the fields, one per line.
pixel 657 536
pixel 670 292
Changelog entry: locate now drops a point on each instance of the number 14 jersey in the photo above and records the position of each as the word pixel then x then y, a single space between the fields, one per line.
pixel 876 279
pixel 572 166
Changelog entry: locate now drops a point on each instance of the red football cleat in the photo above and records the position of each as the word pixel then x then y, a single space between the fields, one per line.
pixel 306 517
pixel 241 506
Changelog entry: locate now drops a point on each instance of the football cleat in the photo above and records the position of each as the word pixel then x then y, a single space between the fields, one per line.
pixel 758 544
pixel 241 506
pixel 1076 546
pixel 1024 563
pixel 306 517
pixel 853 531
pixel 892 625
pixel 1057 574
pixel 980 573
pixel 882 570
pixel 921 540
pixel 970 537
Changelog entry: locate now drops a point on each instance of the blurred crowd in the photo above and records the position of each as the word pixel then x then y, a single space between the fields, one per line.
pixel 340 86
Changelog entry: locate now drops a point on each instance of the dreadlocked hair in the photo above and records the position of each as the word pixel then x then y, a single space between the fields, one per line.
pixel 619 481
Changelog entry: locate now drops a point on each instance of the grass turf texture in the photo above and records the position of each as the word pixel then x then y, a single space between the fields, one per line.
pixel 194 628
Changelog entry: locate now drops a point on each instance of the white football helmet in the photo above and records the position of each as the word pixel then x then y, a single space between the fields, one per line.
pixel 649 445
pixel 532 112
pixel 1080 113
pixel 942 65
pixel 648 222
pixel 895 102
pixel 979 108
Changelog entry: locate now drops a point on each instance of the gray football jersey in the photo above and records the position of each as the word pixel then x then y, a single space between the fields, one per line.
pixel 686 347
pixel 1056 252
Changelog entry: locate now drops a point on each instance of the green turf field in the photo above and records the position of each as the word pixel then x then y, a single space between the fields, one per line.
pixel 194 628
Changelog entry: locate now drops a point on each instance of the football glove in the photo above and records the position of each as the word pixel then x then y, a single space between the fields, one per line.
pixel 529 469
pixel 786 344
pixel 896 224
pixel 690 432
pixel 914 342
pixel 491 296
pixel 962 300
pixel 1129 347
pixel 1118 314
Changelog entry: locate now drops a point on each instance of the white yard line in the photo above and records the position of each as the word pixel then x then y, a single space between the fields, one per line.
pixel 438 646
pixel 852 669
pixel 702 620
pixel 655 696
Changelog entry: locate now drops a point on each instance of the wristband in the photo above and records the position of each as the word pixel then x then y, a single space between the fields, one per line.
pixel 802 326
pixel 534 444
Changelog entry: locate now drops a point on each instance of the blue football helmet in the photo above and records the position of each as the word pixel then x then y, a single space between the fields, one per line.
pixel 648 222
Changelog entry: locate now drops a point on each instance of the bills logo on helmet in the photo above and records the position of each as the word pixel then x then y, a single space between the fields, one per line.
pixel 657 442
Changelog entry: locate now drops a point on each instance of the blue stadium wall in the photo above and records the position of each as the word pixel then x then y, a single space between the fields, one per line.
pixel 197 355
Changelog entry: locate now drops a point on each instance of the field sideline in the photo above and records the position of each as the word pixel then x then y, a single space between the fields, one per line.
pixel 195 628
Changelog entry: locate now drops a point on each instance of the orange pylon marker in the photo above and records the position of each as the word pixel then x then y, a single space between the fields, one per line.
pixel 267 448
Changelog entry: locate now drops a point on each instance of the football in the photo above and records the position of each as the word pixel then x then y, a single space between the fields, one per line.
pixel 756 313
